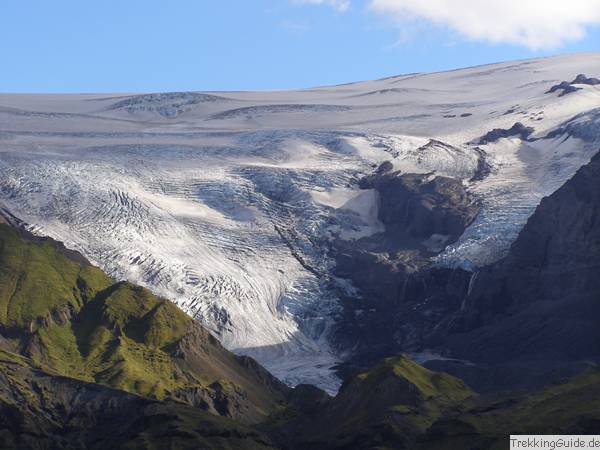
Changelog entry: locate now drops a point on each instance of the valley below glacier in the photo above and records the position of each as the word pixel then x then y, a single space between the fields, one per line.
pixel 234 204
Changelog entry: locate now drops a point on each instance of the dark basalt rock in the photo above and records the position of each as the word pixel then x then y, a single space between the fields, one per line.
pixel 385 167
pixel 543 300
pixel 565 87
pixel 568 88
pixel 483 168
pixel 421 205
pixel 398 311
pixel 401 300
pixel 518 129
pixel 582 79
pixel 533 315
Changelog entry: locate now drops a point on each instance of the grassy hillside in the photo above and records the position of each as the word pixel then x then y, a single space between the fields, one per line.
pixel 401 405
pixel 36 279
pixel 39 411
pixel 72 320
pixel 485 422
pixel 388 406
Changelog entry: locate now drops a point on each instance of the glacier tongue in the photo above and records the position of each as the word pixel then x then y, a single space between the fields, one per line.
pixel 227 203
pixel 230 233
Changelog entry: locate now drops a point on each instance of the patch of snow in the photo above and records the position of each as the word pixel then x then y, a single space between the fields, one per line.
pixel 363 202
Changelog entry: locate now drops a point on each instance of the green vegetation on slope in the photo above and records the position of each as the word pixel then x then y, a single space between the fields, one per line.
pixel 36 279
pixel 72 320
pixel 401 405
pixel 117 340
pixel 39 411
pixel 389 405
pixel 486 422
pixel 426 383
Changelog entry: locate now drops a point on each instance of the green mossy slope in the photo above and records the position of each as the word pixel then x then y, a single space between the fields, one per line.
pixel 36 279
pixel 72 320
pixel 425 383
pixel 39 411
pixel 486 422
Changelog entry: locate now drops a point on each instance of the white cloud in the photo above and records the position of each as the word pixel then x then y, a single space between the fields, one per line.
pixel 340 5
pixel 535 24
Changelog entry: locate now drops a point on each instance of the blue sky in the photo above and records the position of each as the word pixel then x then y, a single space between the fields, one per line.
pixel 160 45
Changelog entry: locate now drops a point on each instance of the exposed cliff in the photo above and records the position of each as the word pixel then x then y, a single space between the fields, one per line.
pixel 543 300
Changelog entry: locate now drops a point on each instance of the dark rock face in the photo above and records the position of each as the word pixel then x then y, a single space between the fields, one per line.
pixel 483 169
pixel 543 300
pixel 398 313
pixel 582 79
pixel 385 167
pixel 420 205
pixel 567 88
pixel 518 130
pixel 401 299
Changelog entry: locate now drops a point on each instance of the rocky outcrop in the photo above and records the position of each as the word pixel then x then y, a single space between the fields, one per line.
pixel 167 104
pixel 520 323
pixel 420 206
pixel 542 301
pixel 483 169
pixel 564 87
pixel 582 79
pixel 402 299
pixel 239 387
pixel 569 87
pixel 517 130
pixel 39 410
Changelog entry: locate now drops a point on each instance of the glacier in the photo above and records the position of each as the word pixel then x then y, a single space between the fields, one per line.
pixel 227 202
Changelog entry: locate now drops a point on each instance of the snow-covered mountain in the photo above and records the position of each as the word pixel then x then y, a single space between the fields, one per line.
pixel 228 202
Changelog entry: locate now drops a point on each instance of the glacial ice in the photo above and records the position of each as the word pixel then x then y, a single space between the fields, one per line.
pixel 227 202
